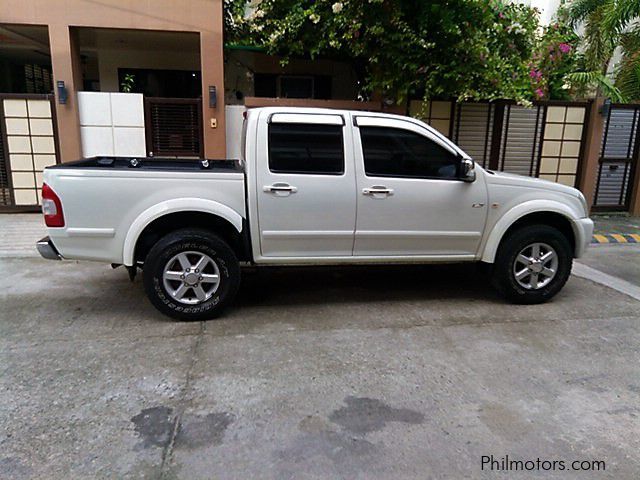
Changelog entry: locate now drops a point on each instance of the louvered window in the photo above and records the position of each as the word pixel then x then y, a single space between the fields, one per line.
pixel 174 127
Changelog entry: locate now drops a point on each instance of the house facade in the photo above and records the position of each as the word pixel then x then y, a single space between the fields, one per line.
pixel 79 77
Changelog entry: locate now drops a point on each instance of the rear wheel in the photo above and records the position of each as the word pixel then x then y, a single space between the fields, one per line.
pixel 191 275
pixel 532 264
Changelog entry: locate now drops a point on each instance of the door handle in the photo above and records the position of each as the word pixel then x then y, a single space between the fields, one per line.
pixel 376 190
pixel 280 188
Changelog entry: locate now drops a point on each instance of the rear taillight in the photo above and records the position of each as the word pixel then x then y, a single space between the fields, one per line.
pixel 51 207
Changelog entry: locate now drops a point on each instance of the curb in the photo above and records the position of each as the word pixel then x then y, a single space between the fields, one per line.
pixel 615 238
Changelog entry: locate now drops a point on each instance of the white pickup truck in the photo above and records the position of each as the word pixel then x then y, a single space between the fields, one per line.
pixel 314 186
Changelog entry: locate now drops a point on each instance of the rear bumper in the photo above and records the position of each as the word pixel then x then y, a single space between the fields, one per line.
pixel 47 250
pixel 585 233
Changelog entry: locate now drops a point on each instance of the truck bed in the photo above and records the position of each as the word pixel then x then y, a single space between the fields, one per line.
pixel 108 200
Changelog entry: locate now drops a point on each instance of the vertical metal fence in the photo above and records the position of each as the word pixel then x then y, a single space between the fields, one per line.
pixel 6 198
pixel 618 158
pixel 545 140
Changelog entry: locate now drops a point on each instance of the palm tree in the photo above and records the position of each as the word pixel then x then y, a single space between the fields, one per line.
pixel 628 74
pixel 608 24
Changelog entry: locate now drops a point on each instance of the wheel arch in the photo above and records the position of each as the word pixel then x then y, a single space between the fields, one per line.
pixel 172 215
pixel 556 215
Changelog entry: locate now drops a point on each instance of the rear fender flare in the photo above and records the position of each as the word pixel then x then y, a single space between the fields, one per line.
pixel 173 206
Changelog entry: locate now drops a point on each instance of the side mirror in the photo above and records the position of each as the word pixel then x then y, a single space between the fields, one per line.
pixel 467 170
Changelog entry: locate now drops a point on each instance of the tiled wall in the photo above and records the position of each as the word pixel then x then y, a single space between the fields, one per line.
pixel 31 146
pixel 561 147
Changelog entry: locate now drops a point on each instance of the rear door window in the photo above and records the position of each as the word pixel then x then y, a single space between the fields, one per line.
pixel 306 149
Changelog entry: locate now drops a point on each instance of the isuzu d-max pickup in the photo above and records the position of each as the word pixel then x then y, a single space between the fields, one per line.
pixel 313 186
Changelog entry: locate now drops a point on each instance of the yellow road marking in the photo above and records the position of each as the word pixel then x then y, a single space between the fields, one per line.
pixel 619 238
pixel 601 238
pixel 636 237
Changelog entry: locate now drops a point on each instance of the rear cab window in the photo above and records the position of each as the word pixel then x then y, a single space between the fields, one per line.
pixel 301 148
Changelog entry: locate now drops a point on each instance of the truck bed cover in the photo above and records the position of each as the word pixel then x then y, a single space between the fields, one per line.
pixel 155 163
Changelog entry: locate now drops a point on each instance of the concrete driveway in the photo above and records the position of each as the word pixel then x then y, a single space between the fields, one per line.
pixel 321 373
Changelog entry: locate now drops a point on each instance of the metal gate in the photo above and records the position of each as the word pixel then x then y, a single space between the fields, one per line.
pixel 545 140
pixel 618 158
pixel 519 149
pixel 473 129
pixel 174 127
pixel 28 144
pixel 5 175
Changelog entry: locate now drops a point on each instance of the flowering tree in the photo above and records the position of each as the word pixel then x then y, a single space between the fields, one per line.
pixel 555 58
pixel 469 49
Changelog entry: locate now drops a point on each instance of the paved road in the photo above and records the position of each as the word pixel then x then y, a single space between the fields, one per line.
pixel 617 260
pixel 360 373
pixel 19 233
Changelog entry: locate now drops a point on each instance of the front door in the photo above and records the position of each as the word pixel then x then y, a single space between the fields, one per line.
pixel 305 187
pixel 410 200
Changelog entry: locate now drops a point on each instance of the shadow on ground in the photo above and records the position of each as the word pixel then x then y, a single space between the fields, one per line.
pixel 335 285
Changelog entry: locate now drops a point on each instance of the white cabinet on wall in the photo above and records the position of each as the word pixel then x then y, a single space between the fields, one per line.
pixel 112 124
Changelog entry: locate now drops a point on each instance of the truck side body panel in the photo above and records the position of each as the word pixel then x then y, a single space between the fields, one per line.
pixel 100 206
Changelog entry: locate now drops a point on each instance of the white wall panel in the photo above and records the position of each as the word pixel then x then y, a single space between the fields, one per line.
pixel 96 141
pixel 94 109
pixel 127 109
pixel 129 142
pixel 234 116
pixel 112 124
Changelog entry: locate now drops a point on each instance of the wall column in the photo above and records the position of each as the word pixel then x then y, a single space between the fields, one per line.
pixel 592 148
pixel 634 203
pixel 212 68
pixel 65 60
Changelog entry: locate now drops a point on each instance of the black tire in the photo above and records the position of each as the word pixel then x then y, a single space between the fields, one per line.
pixel 199 241
pixel 503 277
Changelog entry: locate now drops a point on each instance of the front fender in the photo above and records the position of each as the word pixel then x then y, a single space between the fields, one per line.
pixel 172 206
pixel 533 206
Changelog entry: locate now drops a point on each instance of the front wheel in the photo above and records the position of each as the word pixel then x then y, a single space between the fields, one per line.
pixel 191 275
pixel 532 264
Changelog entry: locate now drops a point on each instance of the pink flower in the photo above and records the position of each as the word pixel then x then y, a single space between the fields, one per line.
pixel 564 47
pixel 539 92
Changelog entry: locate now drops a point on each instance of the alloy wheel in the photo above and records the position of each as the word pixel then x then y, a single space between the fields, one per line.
pixel 535 266
pixel 191 277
